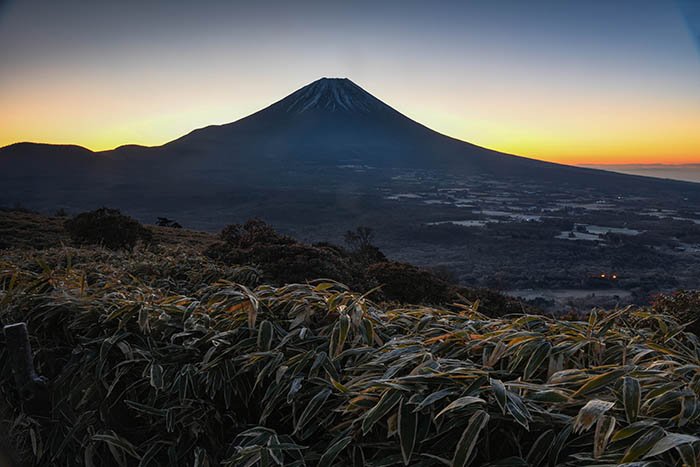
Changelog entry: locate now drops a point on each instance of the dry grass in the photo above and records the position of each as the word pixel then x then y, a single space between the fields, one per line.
pixel 28 230
pixel 20 229
pixel 163 358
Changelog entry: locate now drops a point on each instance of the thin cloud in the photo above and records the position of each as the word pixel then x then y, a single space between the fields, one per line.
pixel 690 9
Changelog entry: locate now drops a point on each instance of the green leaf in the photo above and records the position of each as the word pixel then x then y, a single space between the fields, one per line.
pixel 642 445
pixel 389 399
pixel 517 408
pixel 339 386
pixel 596 382
pixel 265 335
pixel 88 455
pixel 470 436
pixel 150 454
pixel 631 398
pixel 540 448
pixel 549 395
pixel 408 428
pixel 312 409
pixel 460 403
pixel 687 454
pixel 201 457
pixel 146 409
pixel 670 441
pixel 433 398
pixel 334 450
pixel 343 329
pixel 558 445
pixel 156 379
pixel 117 444
pixel 500 392
pixel 367 329
pixel 143 320
pixel 632 430
pixel 536 359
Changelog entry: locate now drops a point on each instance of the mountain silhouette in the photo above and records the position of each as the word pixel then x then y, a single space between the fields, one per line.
pixel 294 142
pixel 334 121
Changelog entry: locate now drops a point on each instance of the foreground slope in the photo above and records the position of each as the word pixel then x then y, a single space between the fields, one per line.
pixel 190 363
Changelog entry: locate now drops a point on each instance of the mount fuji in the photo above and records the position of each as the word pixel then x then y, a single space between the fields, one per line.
pixel 312 141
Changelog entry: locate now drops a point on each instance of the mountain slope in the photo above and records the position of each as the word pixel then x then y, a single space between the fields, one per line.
pixel 335 121
pixel 326 124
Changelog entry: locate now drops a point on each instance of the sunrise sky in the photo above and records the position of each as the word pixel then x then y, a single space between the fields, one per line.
pixel 583 82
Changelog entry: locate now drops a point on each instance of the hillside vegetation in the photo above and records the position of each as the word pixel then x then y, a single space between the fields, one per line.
pixel 162 355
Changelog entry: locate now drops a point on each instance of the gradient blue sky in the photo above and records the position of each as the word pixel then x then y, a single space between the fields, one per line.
pixel 601 81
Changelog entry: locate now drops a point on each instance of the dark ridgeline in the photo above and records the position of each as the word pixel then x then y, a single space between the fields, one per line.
pixel 295 144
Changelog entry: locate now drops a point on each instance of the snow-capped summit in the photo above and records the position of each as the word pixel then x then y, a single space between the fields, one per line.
pixel 297 141
pixel 332 94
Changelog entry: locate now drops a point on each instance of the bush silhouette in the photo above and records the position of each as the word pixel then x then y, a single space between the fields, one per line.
pixel 683 305
pixel 406 283
pixel 107 227
pixel 253 232
pixel 282 259
pixel 165 222
pixel 359 238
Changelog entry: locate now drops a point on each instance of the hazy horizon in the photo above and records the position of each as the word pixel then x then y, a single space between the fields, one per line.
pixel 684 172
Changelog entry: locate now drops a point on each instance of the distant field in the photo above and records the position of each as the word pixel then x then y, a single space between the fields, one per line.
pixel 563 299
pixel 487 233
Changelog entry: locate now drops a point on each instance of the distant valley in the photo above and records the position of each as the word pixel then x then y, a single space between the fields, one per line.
pixel 330 157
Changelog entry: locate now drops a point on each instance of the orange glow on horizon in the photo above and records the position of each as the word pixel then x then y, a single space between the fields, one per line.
pixel 577 150
pixel 580 133
pixel 570 82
